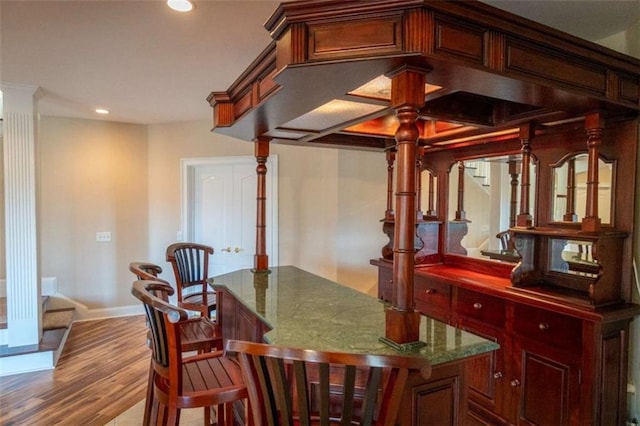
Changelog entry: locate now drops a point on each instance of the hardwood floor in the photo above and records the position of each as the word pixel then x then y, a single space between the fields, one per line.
pixel 101 373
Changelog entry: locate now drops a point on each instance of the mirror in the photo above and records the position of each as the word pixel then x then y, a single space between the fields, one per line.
pixel 573 257
pixel 570 189
pixel 485 206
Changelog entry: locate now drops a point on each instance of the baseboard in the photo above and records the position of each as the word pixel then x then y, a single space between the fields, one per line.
pixel 83 313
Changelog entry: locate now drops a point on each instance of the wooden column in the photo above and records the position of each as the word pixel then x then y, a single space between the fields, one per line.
pixel 407 96
pixel 527 133
pixel 514 171
pixel 570 210
pixel 419 154
pixel 594 124
pixel 461 215
pixel 261 259
pixel 391 158
pixel 431 211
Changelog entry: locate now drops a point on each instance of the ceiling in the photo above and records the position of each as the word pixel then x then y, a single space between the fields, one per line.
pixel 148 64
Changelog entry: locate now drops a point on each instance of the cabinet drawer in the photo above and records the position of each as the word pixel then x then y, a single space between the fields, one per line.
pixel 433 293
pixel 548 327
pixel 481 307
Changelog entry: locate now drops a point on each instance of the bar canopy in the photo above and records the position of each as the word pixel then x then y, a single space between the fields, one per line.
pixel 419 76
pixel 324 79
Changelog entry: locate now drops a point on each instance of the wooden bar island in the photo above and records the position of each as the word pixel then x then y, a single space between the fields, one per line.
pixel 292 307
pixel 511 152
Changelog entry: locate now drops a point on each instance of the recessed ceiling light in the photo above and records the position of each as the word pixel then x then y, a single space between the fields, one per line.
pixel 102 111
pixel 180 5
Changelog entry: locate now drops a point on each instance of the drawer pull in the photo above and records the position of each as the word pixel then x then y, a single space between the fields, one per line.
pixel 543 326
pixel 477 305
pixel 497 375
pixel 430 291
pixel 515 383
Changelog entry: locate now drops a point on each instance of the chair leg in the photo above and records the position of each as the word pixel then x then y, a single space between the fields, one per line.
pixel 149 398
pixel 207 416
pixel 173 416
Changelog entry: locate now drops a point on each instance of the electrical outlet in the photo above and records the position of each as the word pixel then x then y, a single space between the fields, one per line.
pixel 103 237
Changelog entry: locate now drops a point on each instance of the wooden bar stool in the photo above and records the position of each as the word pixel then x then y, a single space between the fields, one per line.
pixel 203 380
pixel 190 262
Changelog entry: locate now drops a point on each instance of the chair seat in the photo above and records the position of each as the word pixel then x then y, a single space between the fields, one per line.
pixel 209 377
pixel 196 299
pixel 200 334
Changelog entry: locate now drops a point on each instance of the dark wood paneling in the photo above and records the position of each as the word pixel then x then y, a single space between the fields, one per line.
pixel 354 38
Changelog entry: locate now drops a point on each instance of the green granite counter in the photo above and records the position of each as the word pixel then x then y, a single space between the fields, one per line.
pixel 307 311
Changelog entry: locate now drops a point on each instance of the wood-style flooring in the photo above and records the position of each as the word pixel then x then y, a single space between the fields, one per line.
pixel 101 373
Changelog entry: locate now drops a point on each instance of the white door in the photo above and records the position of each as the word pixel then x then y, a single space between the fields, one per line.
pixel 221 209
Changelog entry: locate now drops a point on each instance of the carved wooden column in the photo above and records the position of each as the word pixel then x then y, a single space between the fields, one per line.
pixel 431 210
pixel 261 258
pixel 513 201
pixel 419 154
pixel 388 220
pixel 460 213
pixel 594 124
pixel 391 158
pixel 407 96
pixel 570 210
pixel 527 133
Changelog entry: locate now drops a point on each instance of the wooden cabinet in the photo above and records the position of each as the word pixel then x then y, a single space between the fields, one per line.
pixel 544 385
pixel 237 321
pixel 557 365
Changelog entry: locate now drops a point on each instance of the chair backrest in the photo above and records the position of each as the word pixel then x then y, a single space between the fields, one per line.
pixel 150 271
pixel 164 322
pixel 145 270
pixel 288 385
pixel 505 240
pixel 190 262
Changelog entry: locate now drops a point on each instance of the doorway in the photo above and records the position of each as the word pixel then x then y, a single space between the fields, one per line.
pixel 219 209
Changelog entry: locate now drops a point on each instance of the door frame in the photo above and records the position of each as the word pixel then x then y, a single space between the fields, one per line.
pixel 188 167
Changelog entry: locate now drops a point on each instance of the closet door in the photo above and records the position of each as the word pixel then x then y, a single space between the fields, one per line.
pixel 222 211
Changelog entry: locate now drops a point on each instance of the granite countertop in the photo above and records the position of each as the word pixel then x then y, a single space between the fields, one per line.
pixel 307 311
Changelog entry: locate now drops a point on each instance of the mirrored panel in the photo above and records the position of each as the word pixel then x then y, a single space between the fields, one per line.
pixel 484 203
pixel 570 189
pixel 573 257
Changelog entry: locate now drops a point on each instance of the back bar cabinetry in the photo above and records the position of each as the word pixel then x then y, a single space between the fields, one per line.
pixel 557 365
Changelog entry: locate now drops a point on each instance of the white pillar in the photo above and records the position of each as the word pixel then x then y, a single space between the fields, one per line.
pixel 24 315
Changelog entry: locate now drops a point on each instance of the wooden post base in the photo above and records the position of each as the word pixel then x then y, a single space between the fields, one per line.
pixel 402 327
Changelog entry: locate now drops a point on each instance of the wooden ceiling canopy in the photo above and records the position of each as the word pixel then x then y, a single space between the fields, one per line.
pixel 322 81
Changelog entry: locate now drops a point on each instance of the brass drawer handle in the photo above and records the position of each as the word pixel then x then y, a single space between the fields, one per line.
pixel 543 326
pixel 515 383
pixel 477 305
pixel 430 291
pixel 497 375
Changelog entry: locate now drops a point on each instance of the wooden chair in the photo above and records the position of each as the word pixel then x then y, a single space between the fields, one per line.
pixel 203 380
pixel 290 386
pixel 506 243
pixel 197 334
pixel 190 262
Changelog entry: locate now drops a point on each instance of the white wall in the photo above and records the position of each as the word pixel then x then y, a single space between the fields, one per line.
pixel 330 200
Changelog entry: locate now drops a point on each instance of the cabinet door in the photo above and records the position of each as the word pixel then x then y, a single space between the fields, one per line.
pixel 545 386
pixel 486 374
